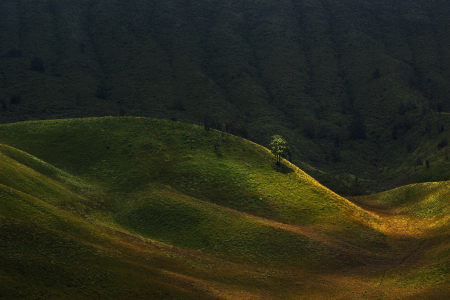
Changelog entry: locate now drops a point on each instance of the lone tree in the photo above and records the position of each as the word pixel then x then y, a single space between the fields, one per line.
pixel 279 147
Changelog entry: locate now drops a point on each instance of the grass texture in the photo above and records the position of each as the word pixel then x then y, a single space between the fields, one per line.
pixel 121 207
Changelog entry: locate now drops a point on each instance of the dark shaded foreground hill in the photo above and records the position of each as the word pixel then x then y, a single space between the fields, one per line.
pixel 130 208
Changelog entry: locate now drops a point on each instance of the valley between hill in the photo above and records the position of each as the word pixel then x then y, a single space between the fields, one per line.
pixel 139 208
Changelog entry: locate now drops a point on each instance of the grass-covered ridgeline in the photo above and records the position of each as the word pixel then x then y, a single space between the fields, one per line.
pixel 124 207
pixel 124 155
pixel 87 182
pixel 134 169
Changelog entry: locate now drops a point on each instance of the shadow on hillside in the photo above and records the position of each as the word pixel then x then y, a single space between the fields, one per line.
pixel 219 154
pixel 282 168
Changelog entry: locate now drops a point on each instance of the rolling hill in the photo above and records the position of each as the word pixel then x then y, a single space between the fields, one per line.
pixel 131 208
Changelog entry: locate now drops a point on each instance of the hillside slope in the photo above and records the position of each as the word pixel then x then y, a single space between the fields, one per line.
pixel 134 207
pixel 129 159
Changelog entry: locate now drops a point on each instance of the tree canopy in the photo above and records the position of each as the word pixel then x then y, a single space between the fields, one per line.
pixel 279 147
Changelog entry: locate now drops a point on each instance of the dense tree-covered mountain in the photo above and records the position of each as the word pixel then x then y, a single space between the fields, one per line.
pixel 356 87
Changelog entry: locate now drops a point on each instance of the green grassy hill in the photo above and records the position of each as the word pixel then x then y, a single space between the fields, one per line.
pixel 420 211
pixel 103 208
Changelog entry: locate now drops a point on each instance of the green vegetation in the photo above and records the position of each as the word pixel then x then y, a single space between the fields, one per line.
pixel 279 148
pixel 134 207
pixel 126 207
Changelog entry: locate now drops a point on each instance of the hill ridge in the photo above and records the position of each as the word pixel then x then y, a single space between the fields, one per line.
pixel 139 183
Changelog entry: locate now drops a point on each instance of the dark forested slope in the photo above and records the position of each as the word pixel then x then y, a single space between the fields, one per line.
pixel 354 86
